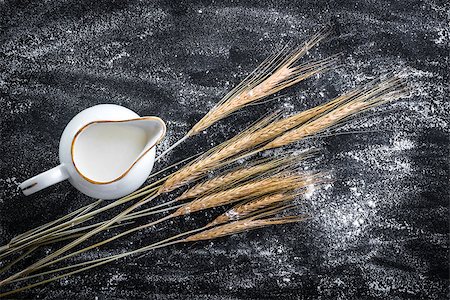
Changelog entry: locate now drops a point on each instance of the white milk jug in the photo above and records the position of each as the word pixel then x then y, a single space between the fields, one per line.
pixel 106 151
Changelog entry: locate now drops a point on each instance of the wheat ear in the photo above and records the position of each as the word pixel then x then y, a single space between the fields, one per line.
pixel 240 226
pixel 254 206
pixel 240 211
pixel 240 174
pixel 356 101
pixel 256 188
pixel 274 74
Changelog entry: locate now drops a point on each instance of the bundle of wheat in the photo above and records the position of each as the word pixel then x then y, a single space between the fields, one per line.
pixel 259 190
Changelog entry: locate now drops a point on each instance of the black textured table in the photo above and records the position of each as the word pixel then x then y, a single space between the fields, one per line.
pixel 380 231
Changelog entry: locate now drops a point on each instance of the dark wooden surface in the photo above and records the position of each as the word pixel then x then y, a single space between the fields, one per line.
pixel 380 231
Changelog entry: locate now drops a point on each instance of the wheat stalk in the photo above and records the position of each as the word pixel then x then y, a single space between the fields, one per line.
pixel 254 188
pixel 195 235
pixel 279 80
pixel 225 180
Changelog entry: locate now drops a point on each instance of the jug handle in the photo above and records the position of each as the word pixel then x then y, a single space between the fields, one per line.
pixel 43 180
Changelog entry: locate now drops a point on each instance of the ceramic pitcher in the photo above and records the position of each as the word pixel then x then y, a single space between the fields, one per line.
pixel 106 151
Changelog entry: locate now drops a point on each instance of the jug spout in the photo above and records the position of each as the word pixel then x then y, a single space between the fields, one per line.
pixel 105 151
